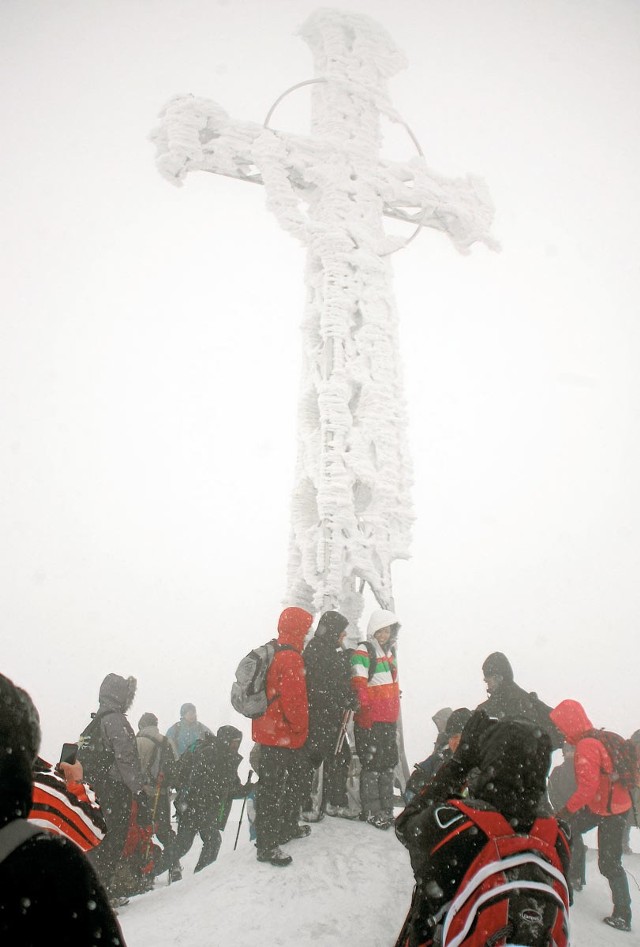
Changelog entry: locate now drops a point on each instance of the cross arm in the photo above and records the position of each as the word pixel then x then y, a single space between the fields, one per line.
pixel 196 134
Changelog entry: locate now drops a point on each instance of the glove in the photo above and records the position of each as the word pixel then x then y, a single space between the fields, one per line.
pixel 143 816
pixel 468 752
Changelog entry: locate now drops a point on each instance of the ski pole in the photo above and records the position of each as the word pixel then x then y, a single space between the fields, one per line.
pixel 346 717
pixel 244 802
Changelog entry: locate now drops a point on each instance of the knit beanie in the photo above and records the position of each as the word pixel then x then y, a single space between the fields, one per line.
pixel 497 663
pixel 228 734
pixel 147 720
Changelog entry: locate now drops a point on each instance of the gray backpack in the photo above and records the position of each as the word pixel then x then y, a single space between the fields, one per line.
pixel 249 690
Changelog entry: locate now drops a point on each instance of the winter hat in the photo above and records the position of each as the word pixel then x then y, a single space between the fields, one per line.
pixel 228 734
pixel 19 744
pixel 382 618
pixel 497 663
pixel 186 708
pixel 514 759
pixel 147 720
pixel 19 721
pixel 457 719
pixel 331 625
pixel 440 718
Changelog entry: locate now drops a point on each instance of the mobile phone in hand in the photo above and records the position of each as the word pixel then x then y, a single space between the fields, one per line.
pixel 69 753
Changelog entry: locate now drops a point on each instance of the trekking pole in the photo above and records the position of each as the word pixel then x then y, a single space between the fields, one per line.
pixel 154 809
pixel 244 802
pixel 346 719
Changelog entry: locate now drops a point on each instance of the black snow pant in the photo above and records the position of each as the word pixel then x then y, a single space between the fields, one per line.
pixel 335 769
pixel 377 751
pixel 115 799
pixel 611 830
pixel 278 796
pixel 191 824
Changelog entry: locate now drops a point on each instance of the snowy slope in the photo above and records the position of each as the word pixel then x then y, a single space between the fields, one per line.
pixel 348 885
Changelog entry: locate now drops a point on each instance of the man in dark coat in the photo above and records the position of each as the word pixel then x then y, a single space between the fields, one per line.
pixel 510 761
pixel 328 673
pixel 48 890
pixel 207 783
pixel 508 701
pixel 123 781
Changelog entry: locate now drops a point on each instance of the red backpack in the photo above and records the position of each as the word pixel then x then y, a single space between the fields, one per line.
pixel 514 891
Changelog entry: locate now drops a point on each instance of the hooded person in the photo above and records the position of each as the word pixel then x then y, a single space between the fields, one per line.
pixel 328 678
pixel 508 701
pixel 206 784
pixel 123 781
pixel 187 730
pixel 509 761
pixel 46 883
pixel 425 771
pixel 440 718
pixel 281 732
pixel 600 800
pixel 374 679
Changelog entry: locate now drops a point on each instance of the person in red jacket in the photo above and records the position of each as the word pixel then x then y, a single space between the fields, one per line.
pixel 599 800
pixel 281 731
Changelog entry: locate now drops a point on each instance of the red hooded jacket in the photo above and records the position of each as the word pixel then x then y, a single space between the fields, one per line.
pixel 592 763
pixel 286 719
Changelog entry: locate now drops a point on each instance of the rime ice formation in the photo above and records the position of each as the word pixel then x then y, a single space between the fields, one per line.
pixel 351 507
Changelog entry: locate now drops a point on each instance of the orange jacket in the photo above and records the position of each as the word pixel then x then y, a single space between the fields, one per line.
pixel 286 719
pixel 592 764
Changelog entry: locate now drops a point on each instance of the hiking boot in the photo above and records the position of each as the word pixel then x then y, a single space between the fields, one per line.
pixel 118 902
pixel 379 821
pixel 275 856
pixel 312 816
pixel 298 831
pixel 617 922
pixel 339 812
pixel 175 874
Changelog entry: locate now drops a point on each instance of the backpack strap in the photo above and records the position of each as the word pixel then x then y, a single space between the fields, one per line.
pixel 14 834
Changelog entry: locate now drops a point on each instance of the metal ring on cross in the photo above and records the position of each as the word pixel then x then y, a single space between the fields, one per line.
pixel 400 121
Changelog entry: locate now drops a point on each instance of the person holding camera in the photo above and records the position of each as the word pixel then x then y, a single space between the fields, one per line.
pixel 49 892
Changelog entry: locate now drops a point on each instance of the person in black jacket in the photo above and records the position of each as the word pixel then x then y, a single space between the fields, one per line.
pixel 330 697
pixel 207 783
pixel 508 701
pixel 48 890
pixel 504 764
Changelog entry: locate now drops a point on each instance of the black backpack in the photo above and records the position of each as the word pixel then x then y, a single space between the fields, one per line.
pixel 624 756
pixel 95 754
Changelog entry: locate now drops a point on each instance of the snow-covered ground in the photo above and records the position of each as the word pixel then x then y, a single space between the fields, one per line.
pixel 349 884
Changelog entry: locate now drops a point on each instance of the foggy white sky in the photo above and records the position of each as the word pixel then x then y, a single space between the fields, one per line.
pixel 150 358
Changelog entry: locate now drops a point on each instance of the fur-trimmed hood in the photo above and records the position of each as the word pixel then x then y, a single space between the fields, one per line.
pixel 117 693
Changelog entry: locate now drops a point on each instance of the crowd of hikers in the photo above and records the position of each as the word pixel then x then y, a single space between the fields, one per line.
pixel 495 843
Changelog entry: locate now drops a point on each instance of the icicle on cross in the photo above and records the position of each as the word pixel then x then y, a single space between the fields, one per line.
pixel 351 508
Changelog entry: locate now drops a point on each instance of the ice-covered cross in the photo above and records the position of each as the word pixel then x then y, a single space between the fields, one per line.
pixel 351 509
